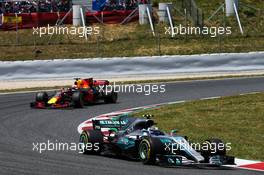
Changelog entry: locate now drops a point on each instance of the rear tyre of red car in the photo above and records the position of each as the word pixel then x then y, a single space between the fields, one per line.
pixel 112 98
pixel 77 99
pixel 42 97
pixel 91 142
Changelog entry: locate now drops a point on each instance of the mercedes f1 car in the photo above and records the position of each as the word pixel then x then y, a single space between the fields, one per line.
pixel 138 138
pixel 84 91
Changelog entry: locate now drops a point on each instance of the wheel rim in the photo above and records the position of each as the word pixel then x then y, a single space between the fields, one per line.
pixel 83 140
pixel 143 151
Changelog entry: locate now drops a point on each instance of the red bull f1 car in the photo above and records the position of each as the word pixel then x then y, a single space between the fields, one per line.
pixel 138 138
pixel 84 91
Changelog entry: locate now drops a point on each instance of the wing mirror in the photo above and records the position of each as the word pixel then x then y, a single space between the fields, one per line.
pixel 174 132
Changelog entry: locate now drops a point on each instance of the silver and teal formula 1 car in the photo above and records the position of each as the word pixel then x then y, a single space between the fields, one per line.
pixel 138 138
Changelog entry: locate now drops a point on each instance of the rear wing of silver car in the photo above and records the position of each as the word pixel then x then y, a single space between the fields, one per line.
pixel 99 124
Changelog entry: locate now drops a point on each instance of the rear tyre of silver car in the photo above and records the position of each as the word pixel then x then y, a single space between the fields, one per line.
pixel 91 142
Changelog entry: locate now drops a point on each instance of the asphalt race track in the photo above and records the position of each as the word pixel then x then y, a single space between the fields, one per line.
pixel 20 126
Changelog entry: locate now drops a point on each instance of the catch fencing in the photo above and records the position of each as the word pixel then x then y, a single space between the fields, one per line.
pixel 132 39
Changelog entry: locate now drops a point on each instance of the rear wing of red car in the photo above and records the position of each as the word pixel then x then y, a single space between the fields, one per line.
pixel 100 82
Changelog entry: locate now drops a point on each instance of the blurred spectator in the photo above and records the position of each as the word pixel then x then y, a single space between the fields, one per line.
pixel 120 5
pixel 29 6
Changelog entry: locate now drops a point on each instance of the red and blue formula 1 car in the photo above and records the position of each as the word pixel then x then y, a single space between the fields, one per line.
pixel 84 91
pixel 138 138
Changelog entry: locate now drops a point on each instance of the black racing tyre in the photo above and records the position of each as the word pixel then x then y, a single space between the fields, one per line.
pixel 215 147
pixel 112 98
pixel 42 97
pixel 91 142
pixel 77 99
pixel 149 148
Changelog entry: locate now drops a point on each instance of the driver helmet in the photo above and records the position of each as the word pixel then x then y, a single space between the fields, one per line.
pixel 153 129
pixel 78 84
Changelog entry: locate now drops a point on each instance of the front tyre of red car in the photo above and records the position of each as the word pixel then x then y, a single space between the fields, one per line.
pixel 77 99
pixel 42 97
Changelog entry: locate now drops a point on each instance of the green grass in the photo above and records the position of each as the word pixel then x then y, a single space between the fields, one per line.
pixel 134 40
pixel 237 119
pixel 210 6
pixel 137 42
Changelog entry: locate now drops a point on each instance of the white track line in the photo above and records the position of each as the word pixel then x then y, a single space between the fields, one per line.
pixel 249 93
pixel 26 92
pixel 210 98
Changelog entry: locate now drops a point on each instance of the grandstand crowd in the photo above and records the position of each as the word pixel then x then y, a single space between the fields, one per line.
pixel 34 6
pixel 30 6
